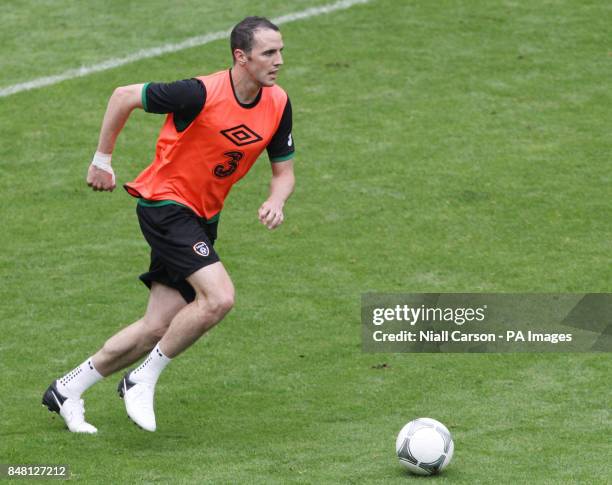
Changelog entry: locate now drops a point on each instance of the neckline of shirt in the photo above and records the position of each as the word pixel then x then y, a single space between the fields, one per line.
pixel 244 105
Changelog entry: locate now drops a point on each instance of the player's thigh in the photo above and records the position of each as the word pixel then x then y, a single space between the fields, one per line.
pixel 164 304
pixel 213 283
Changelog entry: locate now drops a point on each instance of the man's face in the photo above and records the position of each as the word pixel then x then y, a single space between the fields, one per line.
pixel 265 58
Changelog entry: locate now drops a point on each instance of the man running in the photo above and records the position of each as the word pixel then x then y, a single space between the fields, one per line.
pixel 216 128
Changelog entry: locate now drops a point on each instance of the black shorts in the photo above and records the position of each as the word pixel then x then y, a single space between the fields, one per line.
pixel 181 243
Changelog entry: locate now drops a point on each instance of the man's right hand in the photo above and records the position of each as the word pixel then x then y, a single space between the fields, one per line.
pixel 100 180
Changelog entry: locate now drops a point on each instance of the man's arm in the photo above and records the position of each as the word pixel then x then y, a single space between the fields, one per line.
pixel 281 187
pixel 122 102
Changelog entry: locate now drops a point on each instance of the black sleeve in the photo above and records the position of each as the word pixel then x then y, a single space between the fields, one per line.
pixel 184 98
pixel 281 147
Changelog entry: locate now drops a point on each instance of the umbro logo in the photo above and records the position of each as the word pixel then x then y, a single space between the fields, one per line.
pixel 241 135
pixel 201 248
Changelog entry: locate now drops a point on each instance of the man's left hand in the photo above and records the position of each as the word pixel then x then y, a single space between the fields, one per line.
pixel 271 214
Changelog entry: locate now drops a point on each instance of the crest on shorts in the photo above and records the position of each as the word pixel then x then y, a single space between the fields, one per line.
pixel 201 248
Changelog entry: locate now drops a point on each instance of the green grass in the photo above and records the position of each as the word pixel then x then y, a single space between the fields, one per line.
pixel 442 147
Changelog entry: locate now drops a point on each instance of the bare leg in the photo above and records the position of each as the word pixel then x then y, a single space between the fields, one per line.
pixel 214 298
pixel 131 343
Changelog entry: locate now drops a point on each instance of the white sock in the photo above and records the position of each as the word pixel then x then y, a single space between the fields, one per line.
pixel 148 372
pixel 78 380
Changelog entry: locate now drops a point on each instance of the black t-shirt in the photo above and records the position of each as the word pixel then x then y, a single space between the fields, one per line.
pixel 187 98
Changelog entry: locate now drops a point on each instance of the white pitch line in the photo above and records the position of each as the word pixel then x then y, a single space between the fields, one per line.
pixel 165 49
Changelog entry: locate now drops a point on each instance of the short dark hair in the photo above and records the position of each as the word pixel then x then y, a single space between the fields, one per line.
pixel 242 34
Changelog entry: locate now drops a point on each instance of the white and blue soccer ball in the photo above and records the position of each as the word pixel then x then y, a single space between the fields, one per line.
pixel 424 446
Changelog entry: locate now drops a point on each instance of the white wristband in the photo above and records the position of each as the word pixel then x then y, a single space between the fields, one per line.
pixel 102 161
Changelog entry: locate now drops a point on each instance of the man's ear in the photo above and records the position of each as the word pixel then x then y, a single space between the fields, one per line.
pixel 240 57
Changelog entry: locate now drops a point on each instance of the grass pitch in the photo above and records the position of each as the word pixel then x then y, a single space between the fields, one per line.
pixel 441 147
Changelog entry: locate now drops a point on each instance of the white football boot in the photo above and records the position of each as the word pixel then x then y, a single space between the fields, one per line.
pixel 72 410
pixel 138 398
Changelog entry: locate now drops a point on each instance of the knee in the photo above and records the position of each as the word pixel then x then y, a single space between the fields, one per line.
pixel 218 305
pixel 222 303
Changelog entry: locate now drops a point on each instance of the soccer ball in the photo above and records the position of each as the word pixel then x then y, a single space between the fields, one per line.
pixel 424 446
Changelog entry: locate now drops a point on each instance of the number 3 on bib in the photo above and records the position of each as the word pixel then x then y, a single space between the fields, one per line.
pixel 229 166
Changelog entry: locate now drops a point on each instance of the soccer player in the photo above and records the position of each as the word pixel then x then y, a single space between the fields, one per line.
pixel 216 127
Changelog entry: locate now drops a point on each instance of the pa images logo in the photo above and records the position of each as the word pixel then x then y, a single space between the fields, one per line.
pixel 201 249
